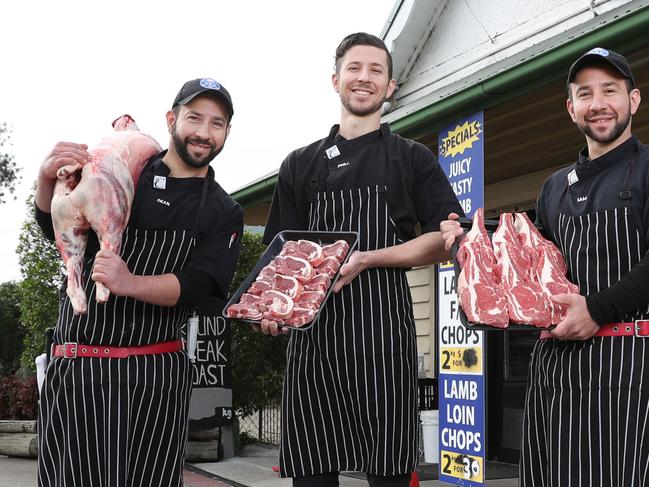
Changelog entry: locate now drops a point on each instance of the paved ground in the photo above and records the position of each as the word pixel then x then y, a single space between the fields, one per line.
pixel 254 468
pixel 21 472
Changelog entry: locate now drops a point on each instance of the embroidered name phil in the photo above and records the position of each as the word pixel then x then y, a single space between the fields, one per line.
pixel 343 164
pixel 581 198
pixel 160 200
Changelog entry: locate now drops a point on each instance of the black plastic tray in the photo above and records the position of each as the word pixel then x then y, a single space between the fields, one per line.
pixel 273 250
pixel 491 226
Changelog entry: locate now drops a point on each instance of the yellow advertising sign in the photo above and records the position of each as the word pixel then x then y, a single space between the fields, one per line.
pixel 462 466
pixel 461 359
pixel 460 138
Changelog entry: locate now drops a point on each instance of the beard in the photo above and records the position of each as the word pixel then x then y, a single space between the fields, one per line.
pixel 181 149
pixel 607 138
pixel 360 112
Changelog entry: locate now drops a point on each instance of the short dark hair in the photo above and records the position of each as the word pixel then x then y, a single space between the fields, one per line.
pixel 361 39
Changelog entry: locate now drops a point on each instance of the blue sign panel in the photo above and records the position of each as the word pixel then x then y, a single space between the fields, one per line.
pixel 461 155
pixel 461 350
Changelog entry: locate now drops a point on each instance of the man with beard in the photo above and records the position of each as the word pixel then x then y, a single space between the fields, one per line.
pixel 585 417
pixel 350 390
pixel 115 412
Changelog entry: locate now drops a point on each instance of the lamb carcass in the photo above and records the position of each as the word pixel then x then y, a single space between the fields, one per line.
pixel 98 195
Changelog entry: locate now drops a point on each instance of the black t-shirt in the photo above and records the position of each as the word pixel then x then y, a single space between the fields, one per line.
pixel 173 204
pixel 598 188
pixel 418 191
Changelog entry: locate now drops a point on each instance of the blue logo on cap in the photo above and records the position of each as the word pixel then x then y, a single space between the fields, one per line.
pixel 210 83
pixel 599 51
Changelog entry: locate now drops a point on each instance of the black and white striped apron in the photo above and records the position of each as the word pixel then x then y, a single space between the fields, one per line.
pixel 587 404
pixel 349 398
pixel 107 422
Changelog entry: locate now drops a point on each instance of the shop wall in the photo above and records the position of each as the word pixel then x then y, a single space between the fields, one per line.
pixel 422 289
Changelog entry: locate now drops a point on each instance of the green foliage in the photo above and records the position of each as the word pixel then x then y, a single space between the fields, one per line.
pixel 11 330
pixel 258 360
pixel 9 172
pixel 42 271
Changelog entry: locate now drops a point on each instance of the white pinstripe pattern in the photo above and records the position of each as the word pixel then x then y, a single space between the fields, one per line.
pixel 350 388
pixel 586 413
pixel 119 422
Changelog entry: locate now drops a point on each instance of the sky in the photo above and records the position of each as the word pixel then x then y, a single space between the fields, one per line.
pixel 71 67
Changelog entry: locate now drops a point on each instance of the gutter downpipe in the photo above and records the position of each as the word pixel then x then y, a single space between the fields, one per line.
pixel 623 34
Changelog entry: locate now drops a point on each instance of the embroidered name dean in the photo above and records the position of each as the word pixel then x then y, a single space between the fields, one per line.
pixel 160 200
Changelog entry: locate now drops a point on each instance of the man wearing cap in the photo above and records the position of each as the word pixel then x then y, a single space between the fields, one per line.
pixel 586 418
pixel 116 411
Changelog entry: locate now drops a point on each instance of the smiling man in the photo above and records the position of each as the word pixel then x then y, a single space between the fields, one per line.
pixel 585 419
pixel 115 402
pixel 350 391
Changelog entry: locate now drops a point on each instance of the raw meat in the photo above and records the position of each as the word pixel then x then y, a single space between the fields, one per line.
pixel 98 196
pixel 338 249
pixel 482 299
pixel 290 290
pixel 527 303
pixel 296 267
pixel 275 305
pixel 329 266
pixel 288 285
pixel 547 265
pixel 305 249
pixel 245 311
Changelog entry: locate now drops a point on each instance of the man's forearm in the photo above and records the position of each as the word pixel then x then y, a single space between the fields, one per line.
pixel 426 249
pixel 44 192
pixel 163 290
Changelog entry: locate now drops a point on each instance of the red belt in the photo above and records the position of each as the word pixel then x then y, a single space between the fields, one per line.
pixel 638 328
pixel 73 350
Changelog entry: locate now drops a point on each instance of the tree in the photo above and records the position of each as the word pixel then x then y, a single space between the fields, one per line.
pixel 258 360
pixel 11 330
pixel 9 172
pixel 42 270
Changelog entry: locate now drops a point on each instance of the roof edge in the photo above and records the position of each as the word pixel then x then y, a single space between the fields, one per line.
pixel 623 33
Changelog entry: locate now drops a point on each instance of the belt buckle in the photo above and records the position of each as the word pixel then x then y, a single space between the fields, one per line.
pixel 636 329
pixel 70 349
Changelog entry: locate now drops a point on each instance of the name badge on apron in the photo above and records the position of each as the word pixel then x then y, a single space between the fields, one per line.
pixel 159 182
pixel 332 152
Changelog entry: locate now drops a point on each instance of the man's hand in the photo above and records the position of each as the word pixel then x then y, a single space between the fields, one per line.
pixel 113 273
pixel 356 264
pixel 269 327
pixel 450 230
pixel 64 154
pixel 578 324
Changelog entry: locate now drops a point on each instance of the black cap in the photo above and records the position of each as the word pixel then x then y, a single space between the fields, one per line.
pixel 599 56
pixel 195 87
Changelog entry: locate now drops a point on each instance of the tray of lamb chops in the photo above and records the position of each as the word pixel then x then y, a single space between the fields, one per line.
pixel 505 272
pixel 292 279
